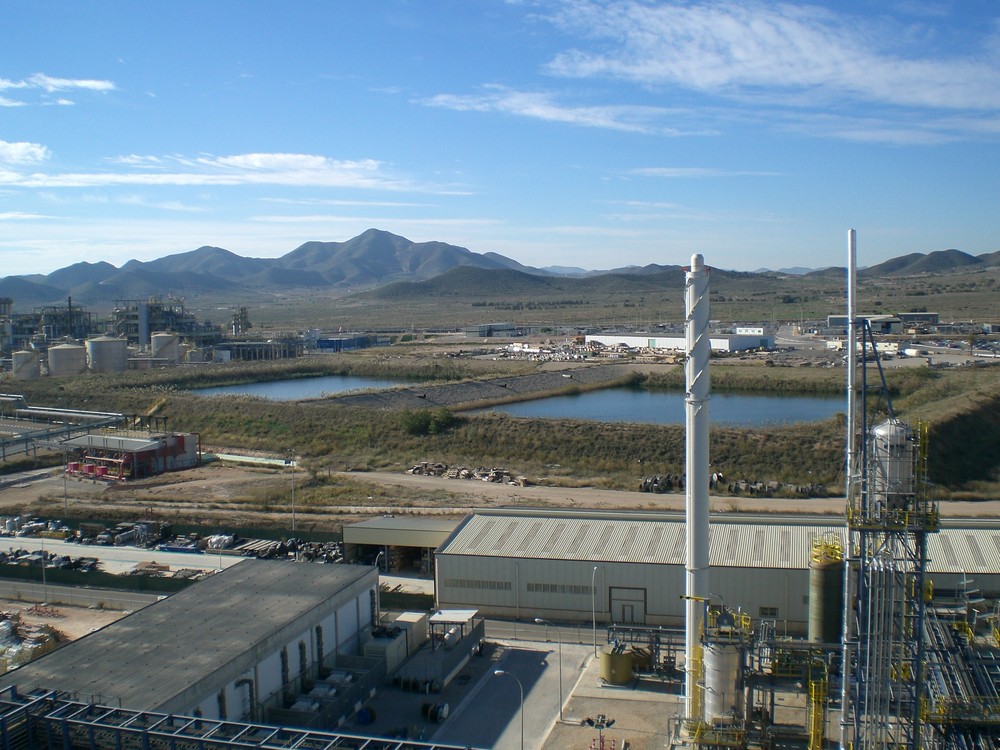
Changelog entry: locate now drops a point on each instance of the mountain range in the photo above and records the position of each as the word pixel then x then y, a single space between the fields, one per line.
pixel 371 260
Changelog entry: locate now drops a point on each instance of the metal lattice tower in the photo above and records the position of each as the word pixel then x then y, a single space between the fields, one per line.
pixel 888 520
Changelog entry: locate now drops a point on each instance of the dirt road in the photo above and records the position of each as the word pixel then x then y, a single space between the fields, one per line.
pixel 239 496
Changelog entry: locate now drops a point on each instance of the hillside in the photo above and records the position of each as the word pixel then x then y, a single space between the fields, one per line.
pixel 378 266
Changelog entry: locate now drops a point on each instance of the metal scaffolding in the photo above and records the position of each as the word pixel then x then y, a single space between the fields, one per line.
pixel 888 519
pixel 49 720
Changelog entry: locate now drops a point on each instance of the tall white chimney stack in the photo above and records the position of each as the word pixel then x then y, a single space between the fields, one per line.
pixel 697 387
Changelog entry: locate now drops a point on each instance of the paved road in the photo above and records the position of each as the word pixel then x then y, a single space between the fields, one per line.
pixel 491 715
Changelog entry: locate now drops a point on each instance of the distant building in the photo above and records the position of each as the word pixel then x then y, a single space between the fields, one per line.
pixel 489 330
pixel 919 318
pixel 135 320
pixel 884 324
pixel 737 342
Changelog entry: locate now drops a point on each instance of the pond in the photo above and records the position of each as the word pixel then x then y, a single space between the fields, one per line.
pixel 296 389
pixel 667 407
pixel 608 405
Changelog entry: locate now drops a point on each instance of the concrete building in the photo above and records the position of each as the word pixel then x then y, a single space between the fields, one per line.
pixel 231 647
pixel 628 567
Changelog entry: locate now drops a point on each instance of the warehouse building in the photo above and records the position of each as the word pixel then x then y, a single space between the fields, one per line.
pixel 743 340
pixel 236 646
pixel 628 567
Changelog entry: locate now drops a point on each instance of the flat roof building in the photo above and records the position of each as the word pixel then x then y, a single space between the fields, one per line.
pixel 223 648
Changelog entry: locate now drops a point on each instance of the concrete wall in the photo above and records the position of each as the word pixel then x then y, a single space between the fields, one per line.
pixel 560 590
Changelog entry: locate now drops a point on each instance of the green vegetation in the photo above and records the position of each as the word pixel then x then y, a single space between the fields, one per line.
pixel 961 405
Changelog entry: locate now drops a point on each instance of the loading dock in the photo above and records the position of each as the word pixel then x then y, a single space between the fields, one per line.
pixel 398 543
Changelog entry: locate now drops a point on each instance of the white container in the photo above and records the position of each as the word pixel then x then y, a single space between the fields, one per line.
pixel 25 365
pixel 165 346
pixel 66 360
pixel 723 681
pixel 107 354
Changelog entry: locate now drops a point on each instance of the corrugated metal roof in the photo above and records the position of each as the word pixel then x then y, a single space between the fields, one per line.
pixel 663 542
pixel 111 443
pixel 404 531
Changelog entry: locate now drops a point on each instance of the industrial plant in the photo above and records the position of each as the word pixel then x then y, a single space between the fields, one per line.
pixel 871 633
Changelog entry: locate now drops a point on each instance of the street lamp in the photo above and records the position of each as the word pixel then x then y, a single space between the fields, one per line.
pixel 593 605
pixel 540 621
pixel 520 687
pixel 601 723
pixel 378 590
pixel 65 488
pixel 291 462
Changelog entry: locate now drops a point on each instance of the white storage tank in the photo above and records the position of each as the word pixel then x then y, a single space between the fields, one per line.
pixel 893 459
pixel 107 354
pixel 67 359
pixel 24 365
pixel 165 346
pixel 723 681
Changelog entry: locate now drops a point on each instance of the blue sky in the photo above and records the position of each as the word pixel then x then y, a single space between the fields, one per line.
pixel 555 132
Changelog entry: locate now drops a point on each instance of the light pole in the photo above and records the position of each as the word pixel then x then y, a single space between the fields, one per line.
pixel 601 723
pixel 45 585
pixel 65 489
pixel 540 621
pixel 378 590
pixel 593 605
pixel 291 461
pixel 520 687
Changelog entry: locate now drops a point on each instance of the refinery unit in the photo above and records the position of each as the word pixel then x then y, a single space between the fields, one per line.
pixel 888 660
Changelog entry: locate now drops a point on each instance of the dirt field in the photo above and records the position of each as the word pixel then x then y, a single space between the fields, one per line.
pixel 230 495
pixel 71 622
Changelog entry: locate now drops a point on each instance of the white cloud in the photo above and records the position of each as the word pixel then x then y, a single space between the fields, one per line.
pixel 744 48
pixel 302 170
pixel 696 172
pixel 21 216
pixel 543 106
pixel 335 202
pixel 139 200
pixel 22 153
pixel 52 84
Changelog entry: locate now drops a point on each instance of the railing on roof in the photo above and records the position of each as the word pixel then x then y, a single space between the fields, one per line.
pixel 59 722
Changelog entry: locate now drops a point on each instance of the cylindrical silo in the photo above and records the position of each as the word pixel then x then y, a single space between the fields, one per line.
pixel 893 461
pixel 616 667
pixel 723 681
pixel 165 346
pixel 24 365
pixel 826 589
pixel 107 354
pixel 67 359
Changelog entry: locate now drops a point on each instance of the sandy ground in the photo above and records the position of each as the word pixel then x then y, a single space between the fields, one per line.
pixel 72 622
pixel 217 495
